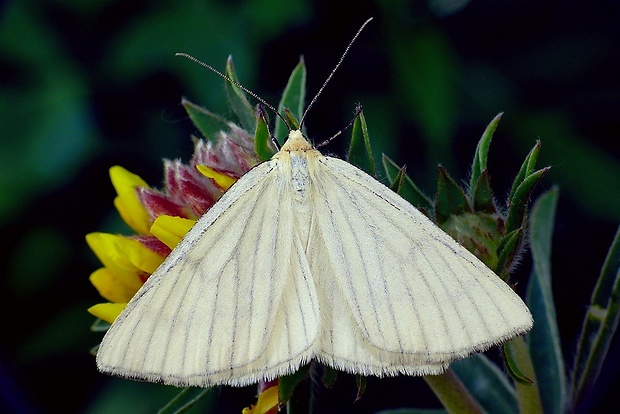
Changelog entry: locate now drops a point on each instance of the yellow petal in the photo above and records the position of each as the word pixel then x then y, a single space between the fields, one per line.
pixel 114 287
pixel 142 257
pixel 107 311
pixel 170 230
pixel 123 254
pixel 127 202
pixel 222 180
pixel 267 402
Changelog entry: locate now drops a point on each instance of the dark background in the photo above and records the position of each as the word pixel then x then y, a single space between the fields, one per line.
pixel 88 85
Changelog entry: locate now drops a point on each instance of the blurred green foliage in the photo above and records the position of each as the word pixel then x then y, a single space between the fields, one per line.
pixel 87 85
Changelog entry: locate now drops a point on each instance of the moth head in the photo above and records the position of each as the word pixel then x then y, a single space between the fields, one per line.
pixel 296 142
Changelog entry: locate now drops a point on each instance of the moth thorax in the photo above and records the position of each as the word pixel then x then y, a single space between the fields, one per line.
pixel 300 188
pixel 300 179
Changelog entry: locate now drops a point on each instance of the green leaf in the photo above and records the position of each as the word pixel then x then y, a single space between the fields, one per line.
pixel 520 198
pixel 527 168
pixel 477 232
pixel 506 252
pixel 293 98
pixel 397 184
pixel 292 120
pixel 544 338
pixel 604 290
pixel 237 99
pixel 187 398
pixel 512 366
pixel 288 383
pixel 599 325
pixel 360 153
pixel 487 384
pixel 450 199
pixel 409 190
pixel 588 169
pixel 483 195
pixel 520 367
pixel 262 139
pixel 208 123
pixel 482 152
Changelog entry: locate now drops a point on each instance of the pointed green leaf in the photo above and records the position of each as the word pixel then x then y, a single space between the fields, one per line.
pixel 397 185
pixel 599 325
pixel 360 153
pixel 482 152
pixel 544 338
pixel 288 383
pixel 293 98
pixel 292 120
pixel 450 199
pixel 520 199
pixel 533 158
pixel 208 123
pixel 487 384
pixel 604 289
pixel 512 366
pixel 262 139
pixel 519 364
pixel 507 251
pixel 237 99
pixel 483 195
pixel 409 190
pixel 188 398
pixel 527 168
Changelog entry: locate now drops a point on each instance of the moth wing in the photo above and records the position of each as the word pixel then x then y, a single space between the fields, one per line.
pixel 404 297
pixel 232 304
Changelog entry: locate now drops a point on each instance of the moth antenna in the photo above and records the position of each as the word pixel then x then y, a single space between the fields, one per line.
pixel 243 88
pixel 332 73
pixel 358 111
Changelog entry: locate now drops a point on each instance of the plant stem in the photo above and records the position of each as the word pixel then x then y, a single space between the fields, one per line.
pixel 452 393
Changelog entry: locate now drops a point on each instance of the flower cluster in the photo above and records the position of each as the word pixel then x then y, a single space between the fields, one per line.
pixel 160 218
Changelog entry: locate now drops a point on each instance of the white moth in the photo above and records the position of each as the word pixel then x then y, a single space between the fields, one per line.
pixel 306 257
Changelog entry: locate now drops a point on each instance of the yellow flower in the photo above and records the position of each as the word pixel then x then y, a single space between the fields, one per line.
pixel 127 264
pixel 127 202
pixel 267 402
pixel 113 286
pixel 161 218
pixel 170 230
pixel 223 181
pixel 123 254
pixel 107 311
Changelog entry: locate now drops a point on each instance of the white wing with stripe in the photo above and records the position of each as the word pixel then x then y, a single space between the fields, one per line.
pixel 399 295
pixel 210 315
